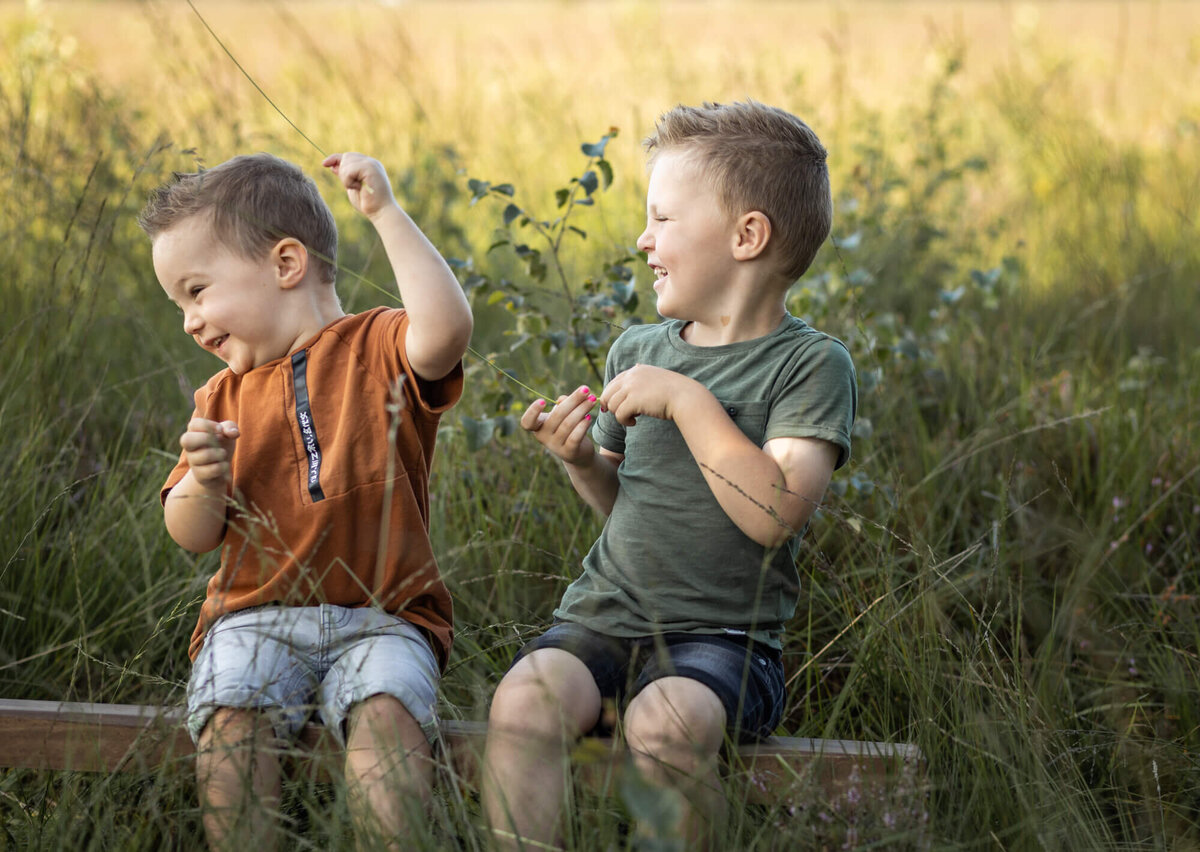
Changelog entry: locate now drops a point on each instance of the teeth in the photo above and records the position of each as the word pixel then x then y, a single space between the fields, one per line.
pixel 659 272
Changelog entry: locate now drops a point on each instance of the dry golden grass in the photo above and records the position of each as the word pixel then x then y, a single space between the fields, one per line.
pixel 500 77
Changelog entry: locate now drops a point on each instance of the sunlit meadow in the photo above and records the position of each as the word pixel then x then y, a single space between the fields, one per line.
pixel 1003 575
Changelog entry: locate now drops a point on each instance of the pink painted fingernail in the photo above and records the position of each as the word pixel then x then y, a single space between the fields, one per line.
pixel 592 398
pixel 540 402
pixel 584 389
pixel 588 417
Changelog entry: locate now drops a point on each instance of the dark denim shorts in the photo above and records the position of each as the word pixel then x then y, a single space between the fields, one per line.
pixel 747 677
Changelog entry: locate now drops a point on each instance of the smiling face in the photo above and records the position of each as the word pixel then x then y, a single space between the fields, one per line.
pixel 231 305
pixel 688 239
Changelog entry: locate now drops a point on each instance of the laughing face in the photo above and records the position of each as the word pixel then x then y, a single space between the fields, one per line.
pixel 230 304
pixel 687 239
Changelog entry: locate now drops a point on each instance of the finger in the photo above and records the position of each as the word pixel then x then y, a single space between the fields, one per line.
pixel 201 424
pixel 571 404
pixel 580 414
pixel 209 474
pixel 620 407
pixel 333 161
pixel 227 429
pixel 192 441
pixel 206 456
pixel 610 391
pixel 579 433
pixel 534 416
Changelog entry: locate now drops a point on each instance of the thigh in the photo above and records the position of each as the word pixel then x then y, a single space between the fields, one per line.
pixel 748 681
pixel 257 659
pixel 606 658
pixel 370 653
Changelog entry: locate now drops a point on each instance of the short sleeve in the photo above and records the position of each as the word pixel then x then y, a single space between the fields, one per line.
pixel 817 397
pixel 607 432
pixel 429 397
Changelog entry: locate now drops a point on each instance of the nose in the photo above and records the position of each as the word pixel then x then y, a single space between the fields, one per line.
pixel 192 323
pixel 645 242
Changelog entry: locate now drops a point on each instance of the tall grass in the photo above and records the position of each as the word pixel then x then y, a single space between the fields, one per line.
pixel 1004 574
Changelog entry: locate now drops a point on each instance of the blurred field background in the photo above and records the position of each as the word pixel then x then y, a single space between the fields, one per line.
pixel 1004 574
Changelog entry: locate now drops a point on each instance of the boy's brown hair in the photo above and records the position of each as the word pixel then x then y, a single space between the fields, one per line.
pixel 251 201
pixel 761 158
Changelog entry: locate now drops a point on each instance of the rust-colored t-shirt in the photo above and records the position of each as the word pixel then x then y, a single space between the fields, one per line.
pixel 322 510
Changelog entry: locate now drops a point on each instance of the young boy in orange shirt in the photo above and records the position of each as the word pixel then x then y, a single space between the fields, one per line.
pixel 307 461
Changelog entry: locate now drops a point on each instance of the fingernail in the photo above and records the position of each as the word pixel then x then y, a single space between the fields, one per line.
pixel 588 417
pixel 540 402
pixel 584 389
pixel 592 398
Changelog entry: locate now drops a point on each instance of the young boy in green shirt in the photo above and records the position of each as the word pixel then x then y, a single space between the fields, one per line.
pixel 718 432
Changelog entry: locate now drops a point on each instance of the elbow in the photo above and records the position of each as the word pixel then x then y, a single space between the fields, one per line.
pixel 193 543
pixel 462 339
pixel 447 354
pixel 196 541
pixel 192 534
pixel 774 537
pixel 777 529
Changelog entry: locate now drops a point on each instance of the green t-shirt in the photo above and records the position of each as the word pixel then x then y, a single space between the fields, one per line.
pixel 669 559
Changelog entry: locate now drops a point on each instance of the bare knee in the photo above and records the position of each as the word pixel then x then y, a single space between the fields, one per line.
pixel 676 721
pixel 545 697
pixel 383 738
pixel 234 727
pixel 237 740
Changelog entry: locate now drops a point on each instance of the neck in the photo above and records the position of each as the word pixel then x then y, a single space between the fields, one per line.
pixel 743 322
pixel 318 309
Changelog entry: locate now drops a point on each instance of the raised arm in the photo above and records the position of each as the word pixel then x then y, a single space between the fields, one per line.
pixel 441 321
pixel 768 492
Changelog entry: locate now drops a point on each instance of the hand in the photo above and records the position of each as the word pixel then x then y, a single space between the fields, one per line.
pixel 208 448
pixel 642 389
pixel 365 181
pixel 563 430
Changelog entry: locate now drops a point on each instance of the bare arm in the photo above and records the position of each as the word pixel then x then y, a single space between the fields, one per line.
pixel 597 482
pixel 441 320
pixel 194 511
pixel 768 492
pixel 563 431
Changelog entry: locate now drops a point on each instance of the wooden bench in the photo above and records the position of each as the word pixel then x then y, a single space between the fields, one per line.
pixel 63 735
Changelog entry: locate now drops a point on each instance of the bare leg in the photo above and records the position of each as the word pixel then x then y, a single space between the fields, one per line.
pixel 539 710
pixel 238 779
pixel 389 769
pixel 674 729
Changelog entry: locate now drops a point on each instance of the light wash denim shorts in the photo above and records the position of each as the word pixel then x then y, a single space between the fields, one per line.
pixel 294 662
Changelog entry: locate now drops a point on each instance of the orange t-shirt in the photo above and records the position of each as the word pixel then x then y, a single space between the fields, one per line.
pixel 322 509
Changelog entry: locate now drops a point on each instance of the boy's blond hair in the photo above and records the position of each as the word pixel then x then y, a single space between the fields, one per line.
pixel 251 201
pixel 760 158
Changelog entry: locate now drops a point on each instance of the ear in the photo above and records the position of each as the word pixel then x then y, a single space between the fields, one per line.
pixel 289 259
pixel 752 232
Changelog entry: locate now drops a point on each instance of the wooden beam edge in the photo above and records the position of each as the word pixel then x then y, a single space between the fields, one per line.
pixel 108 737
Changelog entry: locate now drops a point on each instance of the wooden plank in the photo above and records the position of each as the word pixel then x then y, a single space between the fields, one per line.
pixel 132 737
pixel 89 737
